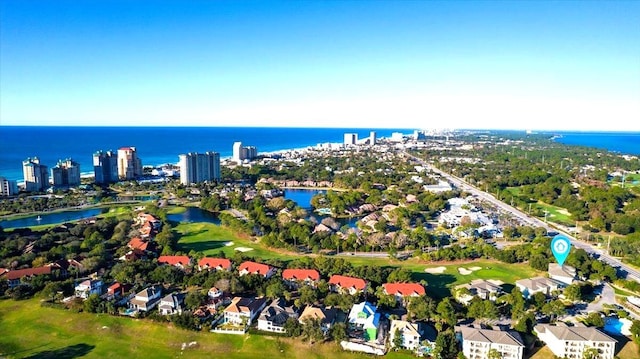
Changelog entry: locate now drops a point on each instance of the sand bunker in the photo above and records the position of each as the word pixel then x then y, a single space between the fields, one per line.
pixel 243 249
pixel 228 244
pixel 467 271
pixel 435 270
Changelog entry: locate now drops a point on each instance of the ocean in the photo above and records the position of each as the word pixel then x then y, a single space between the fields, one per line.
pixel 622 142
pixel 160 145
pixel 155 145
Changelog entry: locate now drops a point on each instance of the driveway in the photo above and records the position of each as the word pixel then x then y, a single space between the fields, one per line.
pixel 608 296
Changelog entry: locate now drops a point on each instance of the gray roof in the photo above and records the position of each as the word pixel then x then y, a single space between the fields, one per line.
pixel 575 333
pixel 490 336
pixel 278 312
pixel 539 283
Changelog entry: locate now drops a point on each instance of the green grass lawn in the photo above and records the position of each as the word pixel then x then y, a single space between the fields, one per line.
pixel 556 214
pixel 29 330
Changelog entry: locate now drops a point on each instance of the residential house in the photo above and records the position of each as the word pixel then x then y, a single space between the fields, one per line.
pixel 207 263
pixel 274 316
pixel 90 286
pixel 171 304
pixel 402 291
pixel 146 299
pixel 364 317
pixel 344 284
pixel 140 244
pixel 409 332
pixel 144 218
pixel 565 273
pixel 243 310
pixel 571 342
pixel 531 286
pixel 294 277
pixel 214 293
pixel 476 342
pixel 117 291
pixel 249 267
pixel 484 289
pixel 326 316
pixel 22 276
pixel 181 262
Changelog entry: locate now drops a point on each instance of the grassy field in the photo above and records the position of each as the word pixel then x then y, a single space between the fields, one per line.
pixel 556 214
pixel 211 239
pixel 29 330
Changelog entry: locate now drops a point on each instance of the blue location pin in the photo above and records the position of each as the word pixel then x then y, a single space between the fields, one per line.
pixel 560 246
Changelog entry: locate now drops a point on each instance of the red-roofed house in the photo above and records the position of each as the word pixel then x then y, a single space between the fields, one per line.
pixel 293 277
pixel 344 284
pixel 181 262
pixel 214 264
pixel 117 290
pixel 141 244
pixel 249 267
pixel 403 290
pixel 15 277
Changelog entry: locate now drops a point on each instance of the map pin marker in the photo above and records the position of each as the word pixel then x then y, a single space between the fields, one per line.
pixel 560 246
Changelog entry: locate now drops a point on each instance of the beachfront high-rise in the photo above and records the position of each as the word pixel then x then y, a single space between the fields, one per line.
pixel 66 173
pixel 129 165
pixel 199 167
pixel 372 138
pixel 350 138
pixel 241 153
pixel 36 175
pixel 105 167
pixel 8 187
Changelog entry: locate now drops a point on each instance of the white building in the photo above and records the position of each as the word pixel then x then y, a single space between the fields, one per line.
pixel 8 187
pixel 531 286
pixel 476 343
pixel 129 165
pixel 410 333
pixel 199 167
pixel 243 310
pixel 565 273
pixel 36 175
pixel 171 304
pixel 571 342
pixel 66 173
pixel 326 316
pixel 273 317
pixel 241 153
pixel 484 289
pixel 86 288
pixel 146 299
pixel 350 139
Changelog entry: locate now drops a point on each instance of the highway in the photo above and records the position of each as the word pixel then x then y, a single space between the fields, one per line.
pixel 623 269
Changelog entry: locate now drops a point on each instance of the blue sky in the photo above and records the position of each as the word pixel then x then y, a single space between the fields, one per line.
pixel 414 64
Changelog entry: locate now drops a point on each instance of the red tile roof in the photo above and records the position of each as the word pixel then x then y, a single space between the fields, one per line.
pixel 347 282
pixel 175 260
pixel 114 287
pixel 254 268
pixel 17 274
pixel 138 243
pixel 404 289
pixel 211 263
pixel 301 274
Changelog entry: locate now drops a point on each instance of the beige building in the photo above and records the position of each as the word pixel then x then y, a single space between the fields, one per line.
pixel 129 165
pixel 36 175
pixel 571 342
pixel 8 187
pixel 66 173
pixel 410 333
pixel 476 343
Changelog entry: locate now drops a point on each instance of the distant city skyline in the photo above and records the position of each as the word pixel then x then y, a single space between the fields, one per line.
pixel 535 65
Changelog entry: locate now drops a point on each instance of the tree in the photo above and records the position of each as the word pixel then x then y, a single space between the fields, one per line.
pixel 590 353
pixel 292 327
pixel 447 312
pixel 397 339
pixel 594 320
pixel 275 289
pixel 494 354
pixel 446 346
pixel 92 304
pixel 421 308
pixel 573 292
pixel 311 330
pixel 338 332
pixel 635 330
pixel 554 308
pixel 195 299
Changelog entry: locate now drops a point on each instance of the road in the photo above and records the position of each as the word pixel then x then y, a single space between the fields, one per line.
pixel 623 269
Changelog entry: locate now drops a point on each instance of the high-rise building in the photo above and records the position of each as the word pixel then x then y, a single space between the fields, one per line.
pixel 350 138
pixel 105 167
pixel 199 167
pixel 66 173
pixel 8 187
pixel 241 153
pixel 372 138
pixel 129 165
pixel 36 176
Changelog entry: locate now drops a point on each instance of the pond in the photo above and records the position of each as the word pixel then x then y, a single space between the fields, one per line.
pixel 194 214
pixel 302 196
pixel 52 218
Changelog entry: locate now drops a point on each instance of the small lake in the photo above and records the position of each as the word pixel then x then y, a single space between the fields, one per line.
pixel 52 218
pixel 194 214
pixel 302 196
